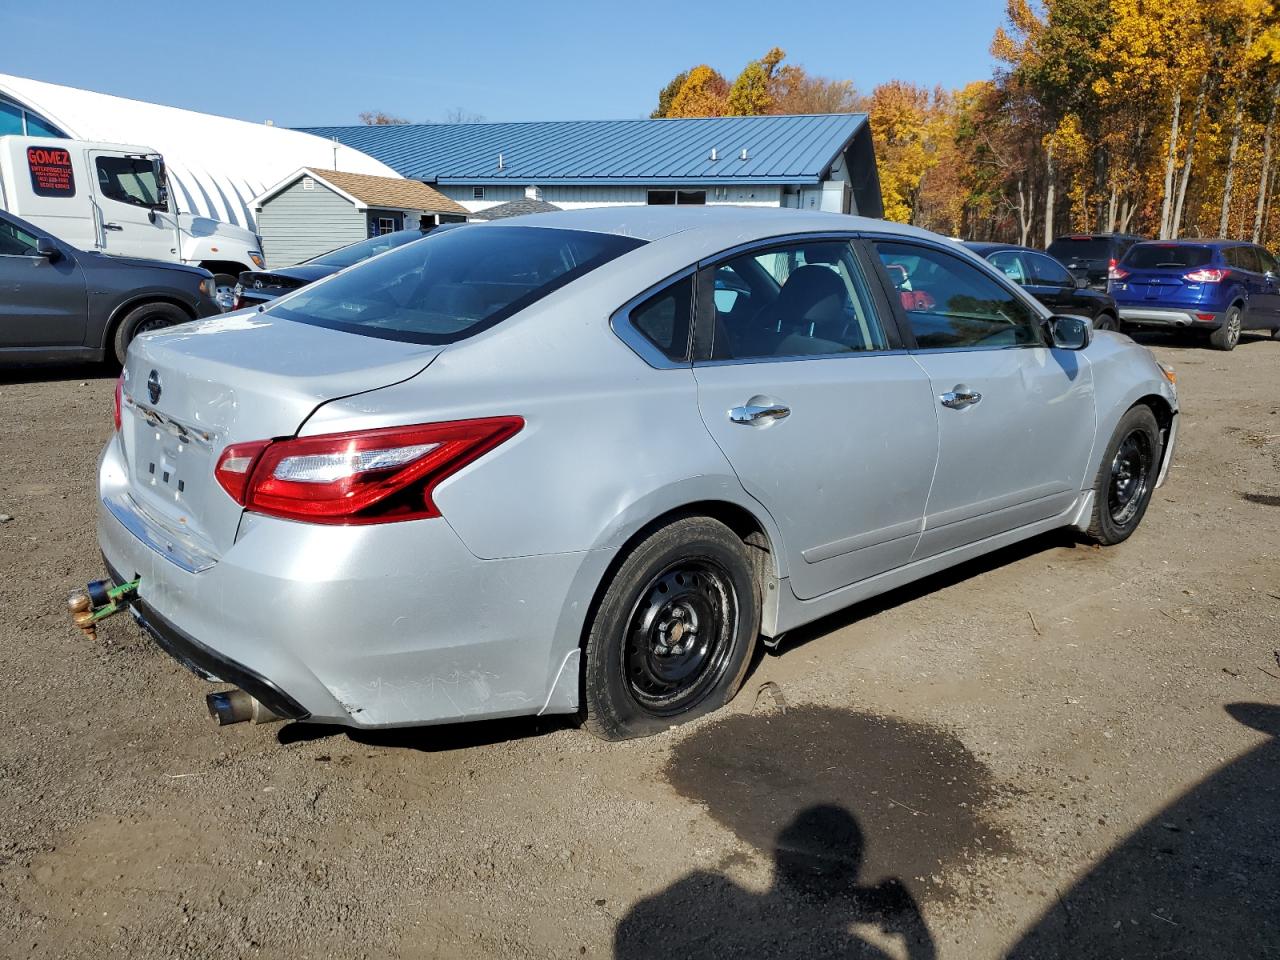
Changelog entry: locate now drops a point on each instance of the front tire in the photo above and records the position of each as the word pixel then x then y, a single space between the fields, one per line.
pixel 1228 334
pixel 1105 321
pixel 673 634
pixel 1127 478
pixel 149 316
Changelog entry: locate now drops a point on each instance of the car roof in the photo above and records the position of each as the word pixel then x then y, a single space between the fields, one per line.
pixel 714 224
pixel 984 247
pixel 1198 242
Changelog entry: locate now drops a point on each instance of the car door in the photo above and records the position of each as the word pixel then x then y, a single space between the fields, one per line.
pixel 1056 288
pixel 42 300
pixel 134 221
pixel 827 421
pixel 1015 416
pixel 1271 286
pixel 1248 268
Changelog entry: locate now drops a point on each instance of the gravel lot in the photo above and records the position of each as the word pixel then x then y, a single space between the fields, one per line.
pixel 1062 752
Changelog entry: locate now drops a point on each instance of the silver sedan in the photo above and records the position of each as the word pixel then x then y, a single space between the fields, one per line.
pixel 585 461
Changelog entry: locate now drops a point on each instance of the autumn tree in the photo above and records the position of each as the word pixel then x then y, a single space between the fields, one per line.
pixel 668 93
pixel 704 93
pixel 376 118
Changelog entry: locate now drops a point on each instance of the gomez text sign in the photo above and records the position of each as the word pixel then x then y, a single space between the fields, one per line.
pixel 51 174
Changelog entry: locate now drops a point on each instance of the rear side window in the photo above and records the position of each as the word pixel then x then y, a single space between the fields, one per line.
pixel 1167 256
pixel 453 284
pixel 664 319
pixel 1243 258
pixel 1267 260
pixel 1050 271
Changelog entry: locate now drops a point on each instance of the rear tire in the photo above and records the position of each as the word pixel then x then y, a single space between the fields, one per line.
pixel 1105 321
pixel 673 634
pixel 1228 334
pixel 149 316
pixel 1127 477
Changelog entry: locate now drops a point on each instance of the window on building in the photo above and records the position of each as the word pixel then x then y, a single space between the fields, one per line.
pixel 38 128
pixel 10 119
pixel 387 225
pixel 665 198
pixel 16 121
pixel 477 193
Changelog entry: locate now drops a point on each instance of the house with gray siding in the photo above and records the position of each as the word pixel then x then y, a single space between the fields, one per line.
pixel 313 211
pixel 816 162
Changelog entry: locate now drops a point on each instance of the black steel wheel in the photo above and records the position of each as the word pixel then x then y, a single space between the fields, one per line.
pixel 1127 477
pixel 672 634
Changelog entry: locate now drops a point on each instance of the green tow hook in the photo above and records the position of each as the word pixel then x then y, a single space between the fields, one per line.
pixel 99 600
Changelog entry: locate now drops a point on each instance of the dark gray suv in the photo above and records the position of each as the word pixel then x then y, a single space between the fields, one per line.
pixel 61 303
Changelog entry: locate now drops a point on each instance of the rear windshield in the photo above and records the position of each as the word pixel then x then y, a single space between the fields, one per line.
pixel 346 256
pixel 454 283
pixel 1167 256
pixel 1081 248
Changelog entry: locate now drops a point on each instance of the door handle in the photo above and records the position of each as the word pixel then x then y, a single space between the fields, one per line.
pixel 960 397
pixel 759 412
pixel 112 226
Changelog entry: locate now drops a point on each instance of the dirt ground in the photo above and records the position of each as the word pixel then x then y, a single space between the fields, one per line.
pixel 1063 751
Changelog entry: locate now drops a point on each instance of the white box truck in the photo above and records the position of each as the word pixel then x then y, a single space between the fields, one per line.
pixel 115 198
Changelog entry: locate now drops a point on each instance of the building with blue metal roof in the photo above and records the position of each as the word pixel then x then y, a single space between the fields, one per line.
pixel 821 162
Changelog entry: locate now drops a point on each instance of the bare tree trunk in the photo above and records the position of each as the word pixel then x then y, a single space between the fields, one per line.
pixel 1129 208
pixel 1175 227
pixel 1224 221
pixel 1266 165
pixel 1169 161
pixel 1050 195
pixel 1111 209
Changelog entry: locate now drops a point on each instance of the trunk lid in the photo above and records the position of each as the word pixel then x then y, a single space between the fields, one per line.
pixel 194 389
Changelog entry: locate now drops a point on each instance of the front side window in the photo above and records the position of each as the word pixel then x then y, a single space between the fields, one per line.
pixel 798 300
pixel 15 242
pixel 1050 272
pixel 130 180
pixel 454 283
pixel 664 319
pixel 951 304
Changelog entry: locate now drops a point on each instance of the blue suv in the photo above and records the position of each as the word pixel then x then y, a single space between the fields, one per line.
pixel 1217 286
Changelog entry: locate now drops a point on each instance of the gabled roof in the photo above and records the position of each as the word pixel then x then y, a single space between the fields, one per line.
pixel 515 208
pixel 364 191
pixel 782 149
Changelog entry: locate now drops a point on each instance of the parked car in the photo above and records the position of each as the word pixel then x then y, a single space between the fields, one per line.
pixel 1091 256
pixel 584 460
pixel 61 303
pixel 1049 282
pixel 256 287
pixel 1213 287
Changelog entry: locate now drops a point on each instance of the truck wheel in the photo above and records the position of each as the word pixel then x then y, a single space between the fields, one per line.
pixel 1127 478
pixel 149 316
pixel 224 290
pixel 1228 335
pixel 673 634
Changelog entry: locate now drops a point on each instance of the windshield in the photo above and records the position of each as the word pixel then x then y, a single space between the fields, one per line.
pixel 1167 256
pixel 453 284
pixel 1080 248
pixel 346 256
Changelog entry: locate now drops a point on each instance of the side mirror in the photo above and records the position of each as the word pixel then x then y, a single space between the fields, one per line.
pixel 1082 283
pixel 1070 333
pixel 48 249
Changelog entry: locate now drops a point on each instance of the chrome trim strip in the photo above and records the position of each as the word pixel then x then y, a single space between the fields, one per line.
pixel 151 533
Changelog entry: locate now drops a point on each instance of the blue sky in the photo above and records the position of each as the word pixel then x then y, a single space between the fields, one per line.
pixel 323 62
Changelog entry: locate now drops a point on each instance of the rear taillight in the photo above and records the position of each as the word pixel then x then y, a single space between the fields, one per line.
pixel 1207 275
pixel 368 476
pixel 118 403
pixel 1115 271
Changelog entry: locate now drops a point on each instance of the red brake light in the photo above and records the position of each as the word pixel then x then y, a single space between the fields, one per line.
pixel 367 476
pixel 118 402
pixel 1206 275
pixel 1115 271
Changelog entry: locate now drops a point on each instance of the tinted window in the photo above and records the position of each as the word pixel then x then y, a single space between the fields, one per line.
pixel 346 256
pixel 130 180
pixel 15 242
pixel 1243 258
pixel 1012 264
pixel 1167 256
pixel 1081 248
pixel 664 319
pixel 1051 272
pixel 950 303
pixel 10 119
pixel 1267 261
pixel 807 299
pixel 454 283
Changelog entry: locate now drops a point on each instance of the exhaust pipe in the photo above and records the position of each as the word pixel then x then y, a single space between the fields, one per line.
pixel 236 706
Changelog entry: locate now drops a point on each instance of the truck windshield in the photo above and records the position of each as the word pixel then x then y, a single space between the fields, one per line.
pixel 454 283
pixel 132 180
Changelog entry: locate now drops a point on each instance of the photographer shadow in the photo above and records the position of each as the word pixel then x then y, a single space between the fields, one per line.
pixel 809 912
